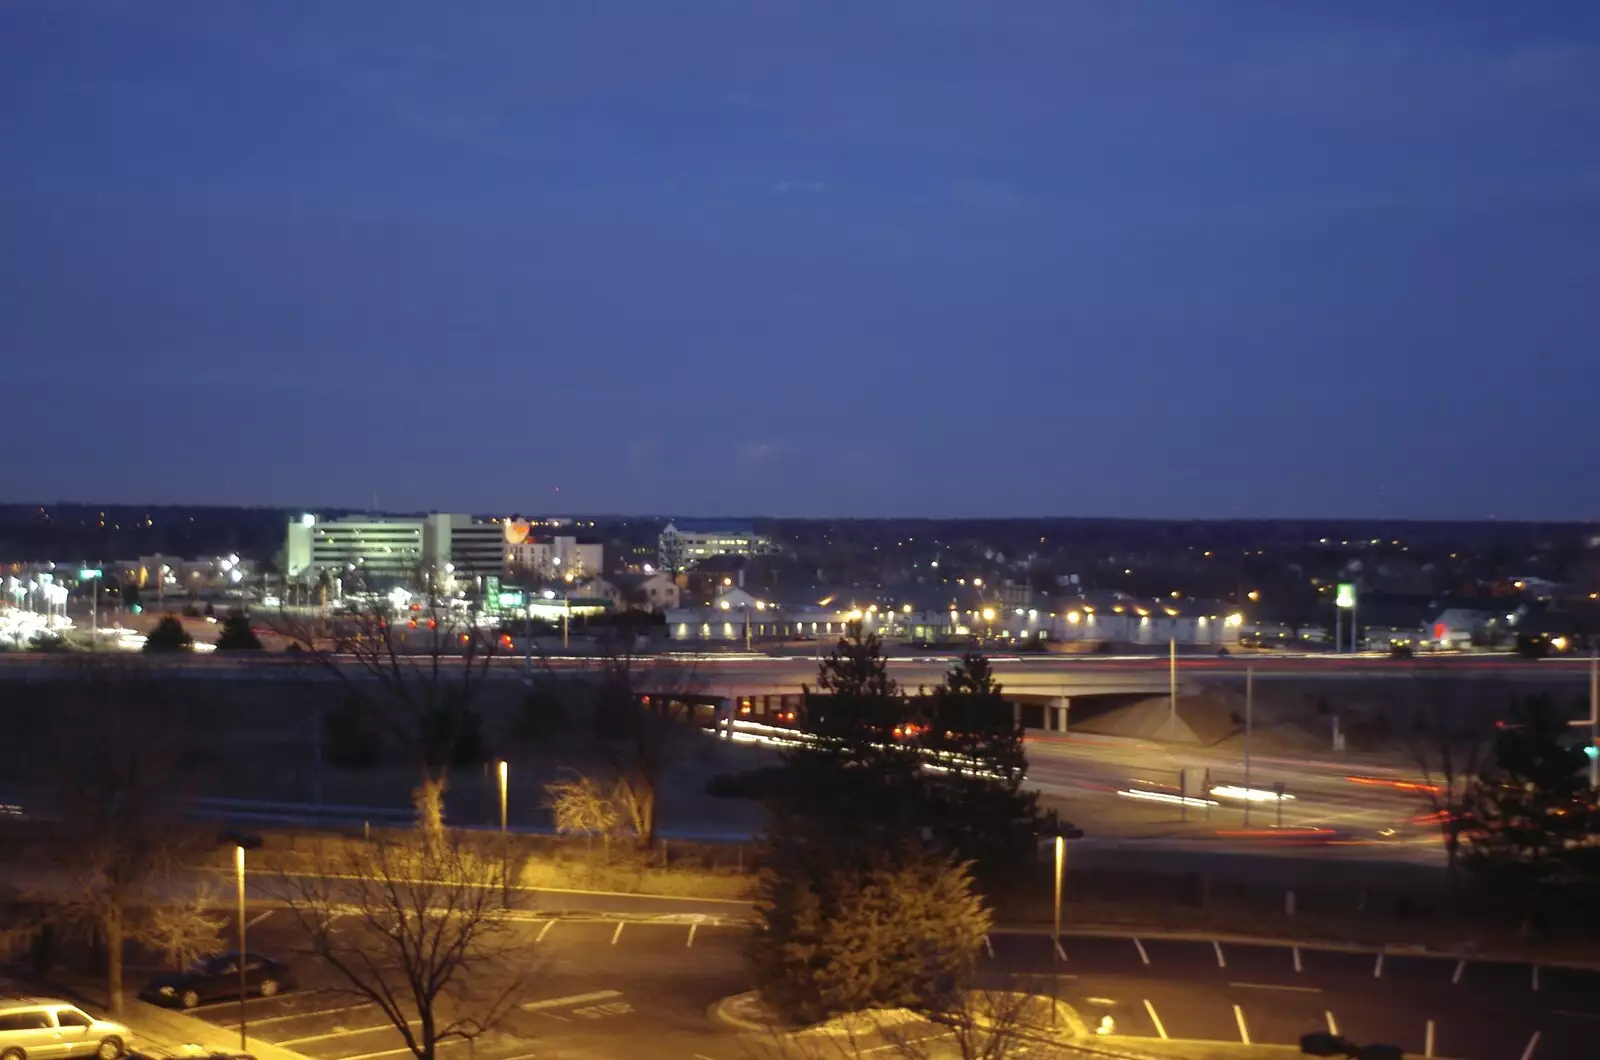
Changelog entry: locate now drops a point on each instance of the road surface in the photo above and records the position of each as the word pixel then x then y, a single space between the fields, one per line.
pixel 600 988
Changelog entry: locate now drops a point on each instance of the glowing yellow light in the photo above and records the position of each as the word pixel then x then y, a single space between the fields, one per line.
pixel 906 609
pixel 1072 617
pixel 1253 595
pixel 1235 619
pixel 722 604
pixel 988 614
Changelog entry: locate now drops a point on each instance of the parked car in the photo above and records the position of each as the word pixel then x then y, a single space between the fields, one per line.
pixel 43 1028
pixel 216 978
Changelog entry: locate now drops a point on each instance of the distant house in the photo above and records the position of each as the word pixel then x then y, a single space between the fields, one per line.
pixel 638 592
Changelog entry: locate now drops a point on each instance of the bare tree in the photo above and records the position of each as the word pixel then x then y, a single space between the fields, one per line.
pixel 1450 739
pixel 583 807
pixel 417 926
pixel 975 1024
pixel 186 929
pixel 416 669
pixel 644 719
pixel 121 840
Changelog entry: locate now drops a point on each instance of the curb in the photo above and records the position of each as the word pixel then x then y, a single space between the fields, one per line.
pixel 721 1011
pixel 1396 948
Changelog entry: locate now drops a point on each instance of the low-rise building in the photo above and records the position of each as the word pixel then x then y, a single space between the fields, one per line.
pixel 686 542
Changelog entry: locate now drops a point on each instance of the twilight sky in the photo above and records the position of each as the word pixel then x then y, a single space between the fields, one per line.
pixel 1209 258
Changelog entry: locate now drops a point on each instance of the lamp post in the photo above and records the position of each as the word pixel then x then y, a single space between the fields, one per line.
pixel 505 856
pixel 238 868
pixel 1055 940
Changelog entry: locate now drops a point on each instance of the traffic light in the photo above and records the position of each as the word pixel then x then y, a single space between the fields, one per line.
pixel 1592 751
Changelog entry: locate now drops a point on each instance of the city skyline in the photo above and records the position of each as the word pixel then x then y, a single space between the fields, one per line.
pixel 936 259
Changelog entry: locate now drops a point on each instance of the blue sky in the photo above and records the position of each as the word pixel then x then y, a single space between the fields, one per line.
pixel 1194 259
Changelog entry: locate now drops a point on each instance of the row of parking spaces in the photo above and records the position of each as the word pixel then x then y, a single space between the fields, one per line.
pixel 1217 961
pixel 1281 1018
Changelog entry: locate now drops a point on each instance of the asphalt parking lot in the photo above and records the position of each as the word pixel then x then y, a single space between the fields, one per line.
pixel 595 986
pixel 1217 990
pixel 587 984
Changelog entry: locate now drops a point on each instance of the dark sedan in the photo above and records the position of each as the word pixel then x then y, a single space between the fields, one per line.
pixel 216 978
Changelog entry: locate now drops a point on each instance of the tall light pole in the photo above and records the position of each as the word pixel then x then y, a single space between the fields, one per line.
pixel 505 855
pixel 238 867
pixel 1249 723
pixel 92 575
pixel 1055 948
pixel 1172 693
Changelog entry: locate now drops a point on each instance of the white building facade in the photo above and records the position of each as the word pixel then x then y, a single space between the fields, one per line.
pixel 684 544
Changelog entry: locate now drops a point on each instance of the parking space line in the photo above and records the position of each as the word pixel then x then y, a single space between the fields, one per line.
pixel 1148 1007
pixel 1276 986
pixel 341 1033
pixel 1533 1043
pixel 1221 961
pixel 258 1021
pixel 1297 960
pixel 1143 956
pixel 570 999
pixel 1427 1039
pixel 1455 976
pixel 1377 967
pixel 1244 1032
pixel 691 936
pixel 1061 954
pixel 1536 978
pixel 1333 1024
pixel 1575 1015
pixel 617 934
pixel 544 931
pixel 402 1049
pixel 988 947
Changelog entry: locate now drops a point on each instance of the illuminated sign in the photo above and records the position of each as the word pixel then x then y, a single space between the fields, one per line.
pixel 1346 596
pixel 511 599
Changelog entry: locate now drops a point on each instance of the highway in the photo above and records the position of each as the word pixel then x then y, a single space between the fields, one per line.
pixel 607 988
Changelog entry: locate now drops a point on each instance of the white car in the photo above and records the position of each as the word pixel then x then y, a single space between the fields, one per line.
pixel 51 1029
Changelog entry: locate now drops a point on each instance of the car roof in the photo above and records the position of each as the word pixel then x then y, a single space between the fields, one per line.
pixel 35 1002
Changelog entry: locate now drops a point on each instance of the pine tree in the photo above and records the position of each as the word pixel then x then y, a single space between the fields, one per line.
pixel 975 804
pixel 901 931
pixel 237 635
pixel 169 635
pixel 1531 814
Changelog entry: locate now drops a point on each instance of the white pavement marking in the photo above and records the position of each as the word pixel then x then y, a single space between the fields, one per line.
pixel 1061 954
pixel 1455 976
pixel 1162 1031
pixel 1244 1032
pixel 1377 967
pixel 544 931
pixel 1143 956
pixel 253 921
pixel 1333 1024
pixel 1275 986
pixel 258 1021
pixel 1297 960
pixel 1533 1043
pixel 617 934
pixel 570 999
pixel 691 935
pixel 402 1049
pixel 1575 1015
pixel 988 947
pixel 1221 961
pixel 1536 978
pixel 701 1056
pixel 1427 1039
pixel 342 1032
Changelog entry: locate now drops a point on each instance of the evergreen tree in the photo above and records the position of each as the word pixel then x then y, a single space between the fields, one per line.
pixel 237 635
pixel 1532 814
pixel 975 804
pixel 169 635
pixel 834 937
